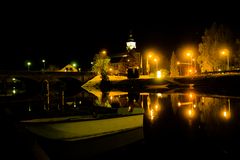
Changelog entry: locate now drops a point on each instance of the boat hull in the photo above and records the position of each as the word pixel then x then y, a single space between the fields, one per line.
pixel 83 129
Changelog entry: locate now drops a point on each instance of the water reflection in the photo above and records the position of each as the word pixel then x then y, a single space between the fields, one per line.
pixel 179 122
pixel 11 87
pixel 188 121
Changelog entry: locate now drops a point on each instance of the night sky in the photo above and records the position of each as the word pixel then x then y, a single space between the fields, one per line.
pixel 63 33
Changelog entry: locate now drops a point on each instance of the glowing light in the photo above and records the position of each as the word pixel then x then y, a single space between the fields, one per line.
pixel 151 114
pixel 43 61
pixel 28 65
pixel 188 54
pixel 179 104
pixel 159 94
pixel 131 45
pixel 104 52
pixel 129 109
pixel 225 114
pixel 29 108
pixel 184 103
pixel 225 52
pixel 190 95
pixel 74 64
pixel 159 74
pixel 190 112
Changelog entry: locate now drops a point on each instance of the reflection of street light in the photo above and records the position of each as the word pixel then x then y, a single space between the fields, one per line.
pixel 226 112
pixel 28 64
pixel 225 52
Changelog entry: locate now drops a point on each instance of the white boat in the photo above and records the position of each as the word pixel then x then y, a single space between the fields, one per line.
pixel 78 127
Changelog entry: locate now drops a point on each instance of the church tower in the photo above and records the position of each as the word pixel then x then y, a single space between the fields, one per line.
pixel 131 44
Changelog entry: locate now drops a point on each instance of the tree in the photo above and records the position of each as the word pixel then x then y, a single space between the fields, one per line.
pixel 213 40
pixel 236 56
pixel 132 60
pixel 173 66
pixel 101 65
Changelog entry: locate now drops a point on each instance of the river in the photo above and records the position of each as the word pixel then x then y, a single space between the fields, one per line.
pixel 184 123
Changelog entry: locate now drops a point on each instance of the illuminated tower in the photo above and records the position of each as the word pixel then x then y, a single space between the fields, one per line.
pixel 131 44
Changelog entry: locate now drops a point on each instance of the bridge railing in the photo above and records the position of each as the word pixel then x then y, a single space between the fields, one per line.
pixel 38 75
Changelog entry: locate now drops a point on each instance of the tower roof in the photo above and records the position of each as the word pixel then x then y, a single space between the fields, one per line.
pixel 130 38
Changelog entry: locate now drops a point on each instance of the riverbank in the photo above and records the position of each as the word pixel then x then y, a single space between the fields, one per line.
pixel 224 84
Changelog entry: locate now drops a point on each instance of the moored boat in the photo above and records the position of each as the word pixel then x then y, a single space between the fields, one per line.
pixel 82 127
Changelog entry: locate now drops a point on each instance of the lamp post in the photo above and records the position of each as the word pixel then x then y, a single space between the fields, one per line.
pixel 225 52
pixel 43 61
pixel 28 64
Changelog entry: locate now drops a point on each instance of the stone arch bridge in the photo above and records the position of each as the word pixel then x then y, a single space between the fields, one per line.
pixel 40 76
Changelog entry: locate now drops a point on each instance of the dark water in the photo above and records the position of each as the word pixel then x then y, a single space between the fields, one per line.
pixel 183 124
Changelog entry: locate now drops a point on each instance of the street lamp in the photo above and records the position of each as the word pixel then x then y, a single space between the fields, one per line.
pixel 103 53
pixel 225 52
pixel 43 61
pixel 74 65
pixel 28 64
pixel 189 54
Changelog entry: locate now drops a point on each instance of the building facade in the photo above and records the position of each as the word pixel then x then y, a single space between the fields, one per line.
pixel 130 59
